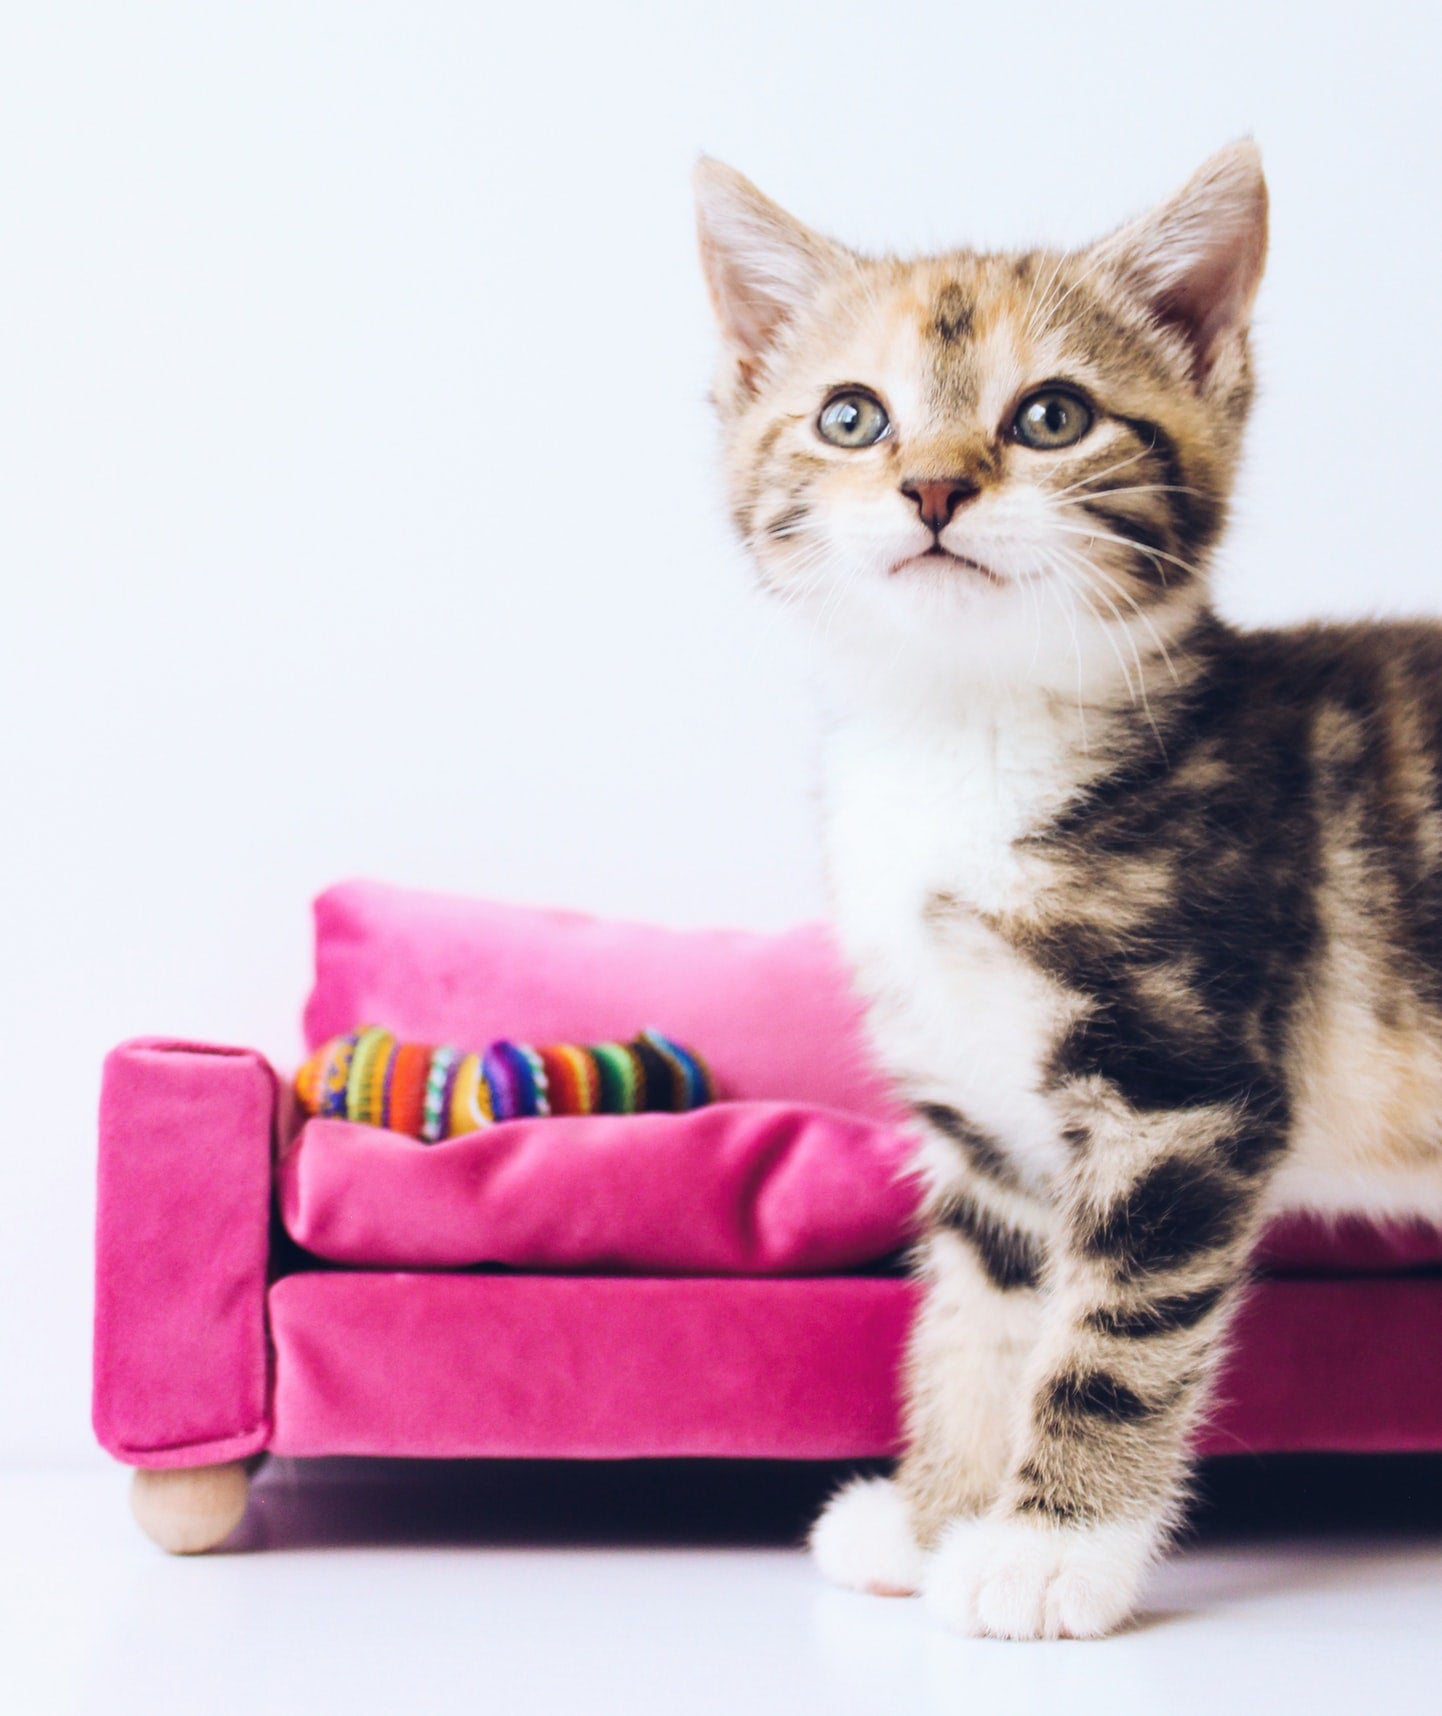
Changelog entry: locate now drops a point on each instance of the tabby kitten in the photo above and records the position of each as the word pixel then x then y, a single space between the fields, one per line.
pixel 1147 911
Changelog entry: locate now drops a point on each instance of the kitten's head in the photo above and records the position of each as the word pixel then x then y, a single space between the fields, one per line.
pixel 1007 468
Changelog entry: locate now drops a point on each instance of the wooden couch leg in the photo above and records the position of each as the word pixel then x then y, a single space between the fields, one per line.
pixel 190 1508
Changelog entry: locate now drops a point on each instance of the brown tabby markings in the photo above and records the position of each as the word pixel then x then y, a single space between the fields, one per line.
pixel 1300 787
pixel 1221 933
pixel 953 316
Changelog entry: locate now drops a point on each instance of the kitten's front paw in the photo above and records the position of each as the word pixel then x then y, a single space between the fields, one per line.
pixel 863 1540
pixel 1015 1578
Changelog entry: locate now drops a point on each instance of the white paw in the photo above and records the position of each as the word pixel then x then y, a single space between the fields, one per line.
pixel 1024 1579
pixel 863 1540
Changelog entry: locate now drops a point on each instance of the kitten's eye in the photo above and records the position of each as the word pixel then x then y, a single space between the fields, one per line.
pixel 852 419
pixel 1052 418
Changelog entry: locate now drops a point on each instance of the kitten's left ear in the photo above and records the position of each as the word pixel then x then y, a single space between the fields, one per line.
pixel 1197 259
pixel 762 266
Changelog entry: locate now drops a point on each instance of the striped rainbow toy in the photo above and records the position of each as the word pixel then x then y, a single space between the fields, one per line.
pixel 434 1093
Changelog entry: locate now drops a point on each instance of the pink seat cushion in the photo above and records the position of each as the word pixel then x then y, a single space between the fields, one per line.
pixel 1311 1245
pixel 741 1188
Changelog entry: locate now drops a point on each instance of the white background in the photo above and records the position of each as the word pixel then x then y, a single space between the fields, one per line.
pixel 357 502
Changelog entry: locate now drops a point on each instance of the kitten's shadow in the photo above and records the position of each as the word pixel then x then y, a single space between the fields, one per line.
pixel 677 1504
pixel 634 1504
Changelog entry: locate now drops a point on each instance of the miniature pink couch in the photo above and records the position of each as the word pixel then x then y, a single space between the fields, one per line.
pixel 720 1283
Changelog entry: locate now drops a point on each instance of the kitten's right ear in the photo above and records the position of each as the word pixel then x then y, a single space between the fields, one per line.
pixel 1197 260
pixel 761 266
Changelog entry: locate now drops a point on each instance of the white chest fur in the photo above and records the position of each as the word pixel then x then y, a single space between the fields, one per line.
pixel 922 831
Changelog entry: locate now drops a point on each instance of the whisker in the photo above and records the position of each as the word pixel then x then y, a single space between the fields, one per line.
pixel 1136 547
pixel 1089 274
pixel 1070 613
pixel 1062 588
pixel 1096 476
pixel 1035 600
pixel 1098 262
pixel 1127 489
pixel 806 572
pixel 1121 662
pixel 1139 611
pixel 1033 308
pixel 1132 645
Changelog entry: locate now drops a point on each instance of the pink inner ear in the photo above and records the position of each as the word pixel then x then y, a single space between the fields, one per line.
pixel 747 319
pixel 1212 298
pixel 1197 259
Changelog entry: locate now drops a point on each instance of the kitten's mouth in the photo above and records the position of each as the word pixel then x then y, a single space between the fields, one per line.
pixel 937 556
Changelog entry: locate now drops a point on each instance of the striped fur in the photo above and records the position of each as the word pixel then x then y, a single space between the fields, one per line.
pixel 1147 911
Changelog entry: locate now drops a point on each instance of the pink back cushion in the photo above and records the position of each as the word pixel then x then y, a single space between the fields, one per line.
pixel 773 1014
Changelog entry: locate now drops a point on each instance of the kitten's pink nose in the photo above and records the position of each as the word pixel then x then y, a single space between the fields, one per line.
pixel 937 501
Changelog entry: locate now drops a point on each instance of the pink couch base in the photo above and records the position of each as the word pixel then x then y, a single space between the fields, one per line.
pixel 585 1367
pixel 507 1366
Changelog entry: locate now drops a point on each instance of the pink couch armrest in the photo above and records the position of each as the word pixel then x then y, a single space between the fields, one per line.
pixel 181 1248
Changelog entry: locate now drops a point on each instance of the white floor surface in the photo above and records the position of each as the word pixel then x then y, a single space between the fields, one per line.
pixel 638 1589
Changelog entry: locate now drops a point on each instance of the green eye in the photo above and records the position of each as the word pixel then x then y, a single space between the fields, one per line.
pixel 1052 417
pixel 852 419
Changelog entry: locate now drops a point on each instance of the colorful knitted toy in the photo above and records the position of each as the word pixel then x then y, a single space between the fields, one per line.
pixel 434 1093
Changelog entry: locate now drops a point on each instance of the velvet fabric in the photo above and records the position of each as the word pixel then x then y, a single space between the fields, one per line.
pixel 181 1249
pixel 1333 1365
pixel 723 1312
pixel 1350 1245
pixel 586 1367
pixel 773 1015
pixel 740 1188
pixel 598 1367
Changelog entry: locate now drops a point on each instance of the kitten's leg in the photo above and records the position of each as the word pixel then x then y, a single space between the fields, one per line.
pixel 980 1267
pixel 1160 1216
